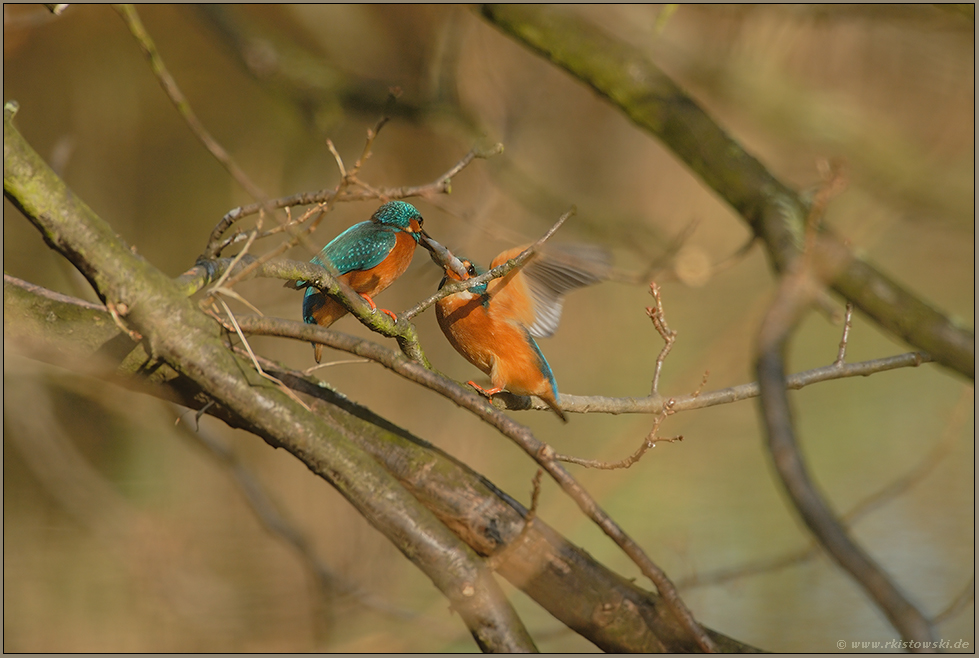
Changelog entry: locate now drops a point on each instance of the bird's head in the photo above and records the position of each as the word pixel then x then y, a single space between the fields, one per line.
pixel 463 269
pixel 401 216
pixel 456 268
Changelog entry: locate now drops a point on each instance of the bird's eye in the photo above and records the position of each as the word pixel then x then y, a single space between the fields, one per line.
pixel 471 269
pixel 421 222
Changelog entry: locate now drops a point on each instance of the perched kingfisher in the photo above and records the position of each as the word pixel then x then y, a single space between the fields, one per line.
pixel 368 257
pixel 493 325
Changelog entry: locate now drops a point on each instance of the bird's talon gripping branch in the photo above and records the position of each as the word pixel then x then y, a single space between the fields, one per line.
pixel 368 257
pixel 482 391
pixel 367 298
pixel 493 324
pixel 392 314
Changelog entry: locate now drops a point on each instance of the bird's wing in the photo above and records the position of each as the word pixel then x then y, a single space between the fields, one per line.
pixel 360 247
pixel 557 271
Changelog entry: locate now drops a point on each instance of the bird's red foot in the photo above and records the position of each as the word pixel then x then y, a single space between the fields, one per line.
pixel 490 393
pixel 393 315
pixel 367 298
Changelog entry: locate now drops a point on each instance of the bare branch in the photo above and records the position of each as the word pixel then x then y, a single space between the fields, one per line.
pixel 542 453
pixel 442 185
pixel 847 323
pixel 863 508
pixel 798 289
pixel 658 316
pixel 775 212
pixel 654 404
pixel 648 442
pixel 129 15
pixel 452 287
pixel 251 355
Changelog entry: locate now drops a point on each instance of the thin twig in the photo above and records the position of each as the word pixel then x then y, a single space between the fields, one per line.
pixel 238 236
pixel 503 269
pixel 658 316
pixel 700 388
pixel 372 134
pixel 336 156
pixel 847 323
pixel 146 44
pixel 219 287
pixel 648 442
pixel 500 557
pixel 241 254
pixel 309 371
pixel 228 292
pixel 118 310
pixel 258 367
pixel 653 404
pixel 441 185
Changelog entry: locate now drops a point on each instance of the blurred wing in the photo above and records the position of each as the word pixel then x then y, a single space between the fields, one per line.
pixel 360 247
pixel 557 271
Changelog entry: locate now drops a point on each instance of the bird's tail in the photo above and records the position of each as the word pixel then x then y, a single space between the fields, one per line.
pixel 553 402
pixel 322 310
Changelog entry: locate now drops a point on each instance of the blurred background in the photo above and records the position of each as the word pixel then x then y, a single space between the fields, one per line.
pixel 124 533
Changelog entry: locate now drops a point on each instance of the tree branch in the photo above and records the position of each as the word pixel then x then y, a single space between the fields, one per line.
pixel 795 294
pixel 452 287
pixel 172 90
pixel 653 404
pixel 632 619
pixel 187 340
pixel 631 82
pixel 540 452
pixel 442 185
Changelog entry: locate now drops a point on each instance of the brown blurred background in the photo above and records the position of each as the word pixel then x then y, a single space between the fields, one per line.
pixel 121 533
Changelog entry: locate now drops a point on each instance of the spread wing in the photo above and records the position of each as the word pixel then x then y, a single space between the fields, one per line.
pixel 556 272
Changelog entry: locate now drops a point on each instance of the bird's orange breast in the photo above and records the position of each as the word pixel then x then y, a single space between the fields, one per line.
pixel 368 282
pixel 372 281
pixel 496 345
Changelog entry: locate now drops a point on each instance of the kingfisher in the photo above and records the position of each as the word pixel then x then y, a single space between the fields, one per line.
pixel 494 324
pixel 368 257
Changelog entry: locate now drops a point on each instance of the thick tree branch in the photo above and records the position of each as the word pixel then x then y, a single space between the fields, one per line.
pixel 631 82
pixel 542 453
pixel 561 577
pixel 285 65
pixel 179 335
